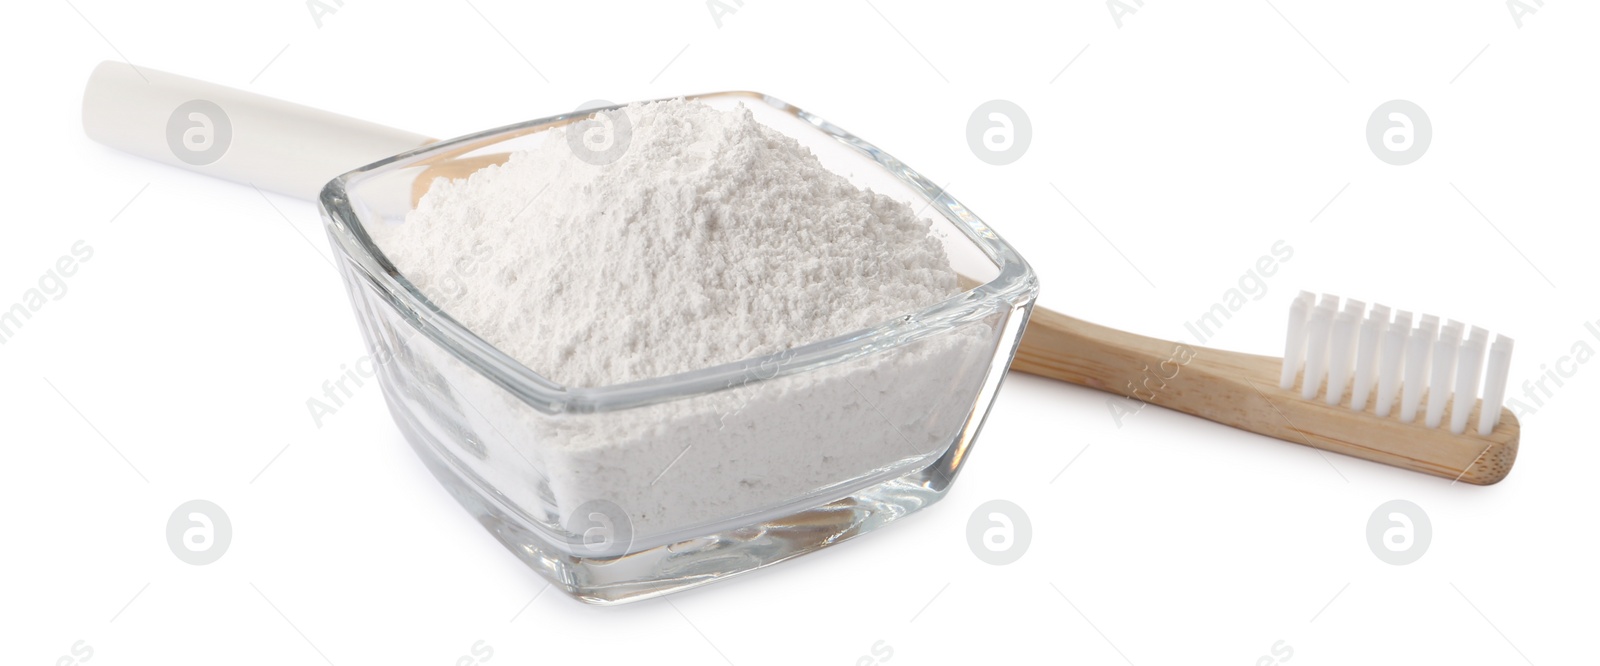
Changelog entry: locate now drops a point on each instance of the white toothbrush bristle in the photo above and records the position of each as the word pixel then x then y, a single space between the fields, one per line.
pixel 1418 350
pixel 1430 369
pixel 1295 347
pixel 1429 326
pixel 1342 349
pixel 1319 330
pixel 1469 369
pixel 1391 360
pixel 1494 385
pixel 1444 369
pixel 1372 329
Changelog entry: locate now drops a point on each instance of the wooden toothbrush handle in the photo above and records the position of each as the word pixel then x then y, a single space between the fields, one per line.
pixel 1241 390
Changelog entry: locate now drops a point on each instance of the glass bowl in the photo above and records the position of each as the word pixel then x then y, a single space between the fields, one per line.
pixel 623 492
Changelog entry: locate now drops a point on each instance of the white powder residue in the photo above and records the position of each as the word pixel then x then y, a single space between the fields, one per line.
pixel 712 239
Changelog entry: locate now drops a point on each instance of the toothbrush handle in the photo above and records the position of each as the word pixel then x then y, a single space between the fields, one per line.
pixel 1241 390
pixel 232 134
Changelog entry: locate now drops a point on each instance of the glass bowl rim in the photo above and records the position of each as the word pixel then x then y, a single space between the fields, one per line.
pixel 1013 283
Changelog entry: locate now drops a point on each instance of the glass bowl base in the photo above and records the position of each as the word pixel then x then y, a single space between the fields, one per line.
pixel 693 562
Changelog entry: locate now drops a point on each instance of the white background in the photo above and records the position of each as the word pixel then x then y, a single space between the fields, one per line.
pixel 1192 138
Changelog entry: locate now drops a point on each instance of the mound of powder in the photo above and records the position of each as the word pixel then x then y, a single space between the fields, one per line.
pixel 712 238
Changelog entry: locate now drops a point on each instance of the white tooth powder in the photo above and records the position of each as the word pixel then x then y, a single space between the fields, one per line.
pixel 712 239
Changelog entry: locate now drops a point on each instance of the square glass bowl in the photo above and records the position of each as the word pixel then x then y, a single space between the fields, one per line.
pixel 624 492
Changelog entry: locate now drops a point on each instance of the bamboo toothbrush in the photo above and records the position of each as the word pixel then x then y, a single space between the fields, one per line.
pixel 1370 386
pixel 1369 361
